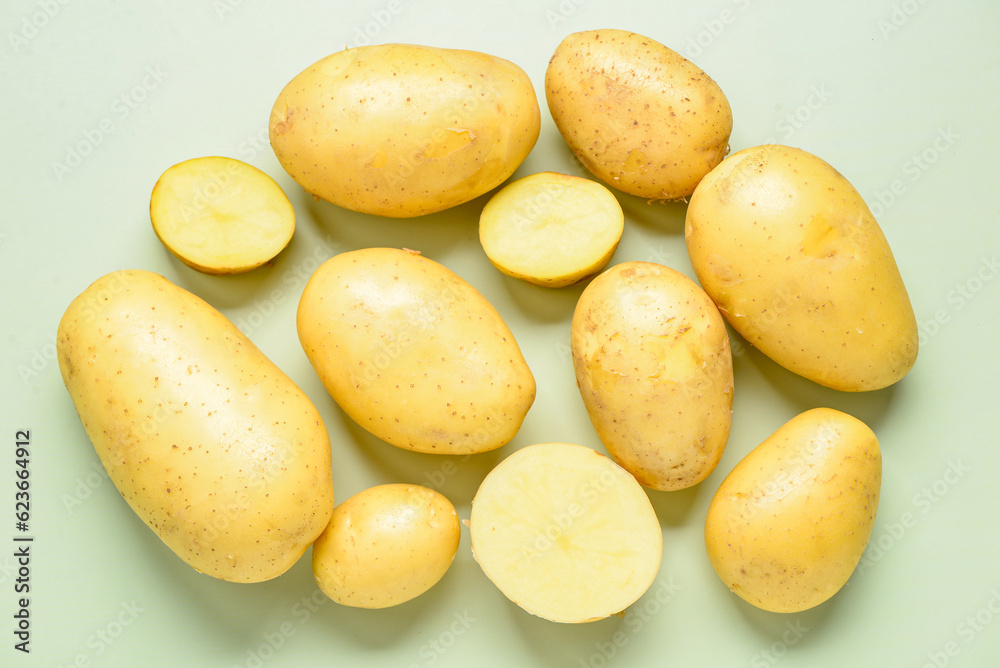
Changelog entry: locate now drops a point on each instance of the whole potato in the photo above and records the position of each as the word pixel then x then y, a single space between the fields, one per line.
pixel 413 353
pixel 798 265
pixel 790 522
pixel 638 115
pixel 403 130
pixel 210 443
pixel 386 545
pixel 654 368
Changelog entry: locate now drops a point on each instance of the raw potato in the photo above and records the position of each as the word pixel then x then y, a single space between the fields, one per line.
pixel 654 368
pixel 796 262
pixel 640 116
pixel 789 524
pixel 403 130
pixel 386 545
pixel 551 229
pixel 413 353
pixel 220 215
pixel 565 533
pixel 216 449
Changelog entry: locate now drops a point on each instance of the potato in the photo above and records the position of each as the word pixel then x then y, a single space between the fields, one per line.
pixel 220 215
pixel 403 130
pixel 565 533
pixel 790 522
pixel 413 353
pixel 209 442
pixel 653 365
pixel 640 116
pixel 796 262
pixel 386 545
pixel 551 229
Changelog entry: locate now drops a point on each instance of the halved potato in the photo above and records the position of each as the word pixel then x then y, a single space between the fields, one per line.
pixel 551 229
pixel 220 215
pixel 565 533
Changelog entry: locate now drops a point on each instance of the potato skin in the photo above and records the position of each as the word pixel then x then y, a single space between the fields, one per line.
pixel 798 265
pixel 789 524
pixel 654 368
pixel 386 545
pixel 403 130
pixel 209 442
pixel 638 115
pixel 413 353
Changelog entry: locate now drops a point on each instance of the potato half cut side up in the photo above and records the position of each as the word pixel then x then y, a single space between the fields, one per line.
pixel 565 533
pixel 220 215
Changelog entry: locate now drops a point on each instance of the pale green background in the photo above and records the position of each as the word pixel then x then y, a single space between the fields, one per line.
pixel 868 86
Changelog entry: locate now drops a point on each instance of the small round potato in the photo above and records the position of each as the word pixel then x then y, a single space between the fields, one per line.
pixel 220 215
pixel 551 229
pixel 386 545
pixel 637 114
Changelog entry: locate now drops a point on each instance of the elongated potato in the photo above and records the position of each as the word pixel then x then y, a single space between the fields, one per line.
pixel 209 442
pixel 790 522
pixel 655 371
pixel 640 116
pixel 798 265
pixel 413 353
pixel 403 130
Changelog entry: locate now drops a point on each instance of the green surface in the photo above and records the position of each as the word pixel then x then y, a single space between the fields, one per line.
pixel 901 96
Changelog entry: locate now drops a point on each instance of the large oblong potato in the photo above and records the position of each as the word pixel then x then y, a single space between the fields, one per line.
pixel 210 443
pixel 654 367
pixel 798 265
pixel 638 115
pixel 789 524
pixel 403 130
pixel 413 353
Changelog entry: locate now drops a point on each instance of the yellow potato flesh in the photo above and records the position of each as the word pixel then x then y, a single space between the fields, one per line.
pixel 551 229
pixel 210 443
pixel 220 215
pixel 790 522
pixel 565 533
pixel 386 545
pixel 798 265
